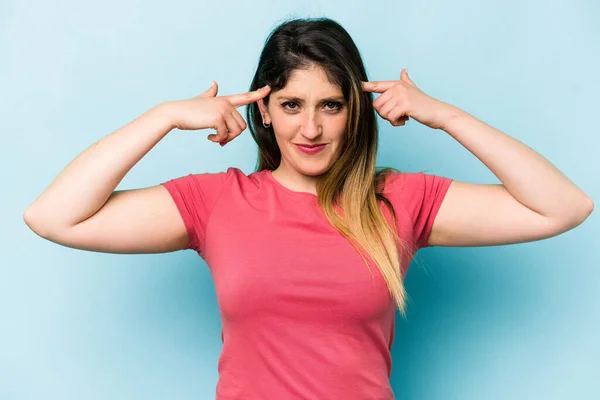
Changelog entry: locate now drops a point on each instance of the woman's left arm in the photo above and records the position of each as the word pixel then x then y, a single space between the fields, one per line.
pixel 535 200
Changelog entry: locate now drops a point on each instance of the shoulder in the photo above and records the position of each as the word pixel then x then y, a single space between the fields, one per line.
pixel 231 179
pixel 420 195
pixel 414 190
pixel 411 182
pixel 217 177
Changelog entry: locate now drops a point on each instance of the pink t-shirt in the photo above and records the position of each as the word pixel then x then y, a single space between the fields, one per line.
pixel 302 316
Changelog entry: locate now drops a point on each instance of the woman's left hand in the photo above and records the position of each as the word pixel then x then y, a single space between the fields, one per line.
pixel 402 99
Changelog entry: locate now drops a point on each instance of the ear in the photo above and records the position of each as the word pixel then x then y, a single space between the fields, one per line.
pixel 264 111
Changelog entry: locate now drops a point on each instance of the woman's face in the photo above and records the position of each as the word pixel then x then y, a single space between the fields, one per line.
pixel 308 110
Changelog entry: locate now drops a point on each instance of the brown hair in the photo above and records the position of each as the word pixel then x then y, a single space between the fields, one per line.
pixel 352 183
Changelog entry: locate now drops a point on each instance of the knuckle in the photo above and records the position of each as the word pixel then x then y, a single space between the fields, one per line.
pixel 224 104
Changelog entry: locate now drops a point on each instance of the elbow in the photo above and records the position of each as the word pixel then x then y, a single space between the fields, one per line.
pixel 585 210
pixel 43 224
pixel 28 218
pixel 572 217
pixel 580 213
pixel 34 223
pixel 588 208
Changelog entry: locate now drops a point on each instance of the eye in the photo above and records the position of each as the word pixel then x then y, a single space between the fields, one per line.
pixel 330 105
pixel 288 103
pixel 334 105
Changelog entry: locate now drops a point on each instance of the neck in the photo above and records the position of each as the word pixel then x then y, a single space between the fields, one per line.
pixel 295 181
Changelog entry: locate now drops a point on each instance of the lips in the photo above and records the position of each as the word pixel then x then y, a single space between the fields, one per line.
pixel 311 149
pixel 310 146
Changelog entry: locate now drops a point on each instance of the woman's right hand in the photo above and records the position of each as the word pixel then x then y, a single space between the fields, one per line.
pixel 209 111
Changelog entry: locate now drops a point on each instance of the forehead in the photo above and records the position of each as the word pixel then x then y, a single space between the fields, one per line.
pixel 311 82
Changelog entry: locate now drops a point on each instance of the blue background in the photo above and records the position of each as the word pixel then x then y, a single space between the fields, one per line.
pixel 517 322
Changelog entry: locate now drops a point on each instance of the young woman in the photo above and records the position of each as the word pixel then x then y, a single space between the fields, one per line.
pixel 308 253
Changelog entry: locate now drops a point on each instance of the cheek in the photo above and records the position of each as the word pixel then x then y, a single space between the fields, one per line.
pixel 340 126
pixel 284 132
pixel 283 122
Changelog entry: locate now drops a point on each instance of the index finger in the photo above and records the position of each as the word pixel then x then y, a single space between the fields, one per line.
pixel 243 99
pixel 377 86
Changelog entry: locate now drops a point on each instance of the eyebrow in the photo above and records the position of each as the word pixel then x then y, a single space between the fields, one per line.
pixel 300 100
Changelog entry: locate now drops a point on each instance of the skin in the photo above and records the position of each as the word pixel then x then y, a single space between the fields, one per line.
pixel 534 200
pixel 82 209
pixel 308 110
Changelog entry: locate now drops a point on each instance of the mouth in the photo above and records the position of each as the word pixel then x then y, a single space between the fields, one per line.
pixel 310 146
pixel 311 149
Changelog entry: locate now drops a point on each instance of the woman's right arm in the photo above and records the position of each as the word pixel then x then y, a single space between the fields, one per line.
pixel 130 221
pixel 81 208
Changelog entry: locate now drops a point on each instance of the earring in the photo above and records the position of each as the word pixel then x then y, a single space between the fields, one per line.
pixel 266 125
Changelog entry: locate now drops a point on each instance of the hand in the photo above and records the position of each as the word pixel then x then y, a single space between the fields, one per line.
pixel 402 99
pixel 209 111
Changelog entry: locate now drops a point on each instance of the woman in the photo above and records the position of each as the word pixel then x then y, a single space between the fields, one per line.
pixel 309 252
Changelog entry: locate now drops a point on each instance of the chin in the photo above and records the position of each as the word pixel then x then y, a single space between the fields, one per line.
pixel 312 169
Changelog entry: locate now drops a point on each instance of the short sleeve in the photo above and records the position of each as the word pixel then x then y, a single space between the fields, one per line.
pixel 195 195
pixel 421 195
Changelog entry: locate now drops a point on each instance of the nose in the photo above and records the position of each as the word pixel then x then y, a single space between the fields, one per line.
pixel 311 128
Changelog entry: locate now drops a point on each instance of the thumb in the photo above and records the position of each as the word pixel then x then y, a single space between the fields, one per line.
pixel 404 77
pixel 212 90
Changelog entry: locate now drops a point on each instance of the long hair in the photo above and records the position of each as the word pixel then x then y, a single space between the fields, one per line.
pixel 351 185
